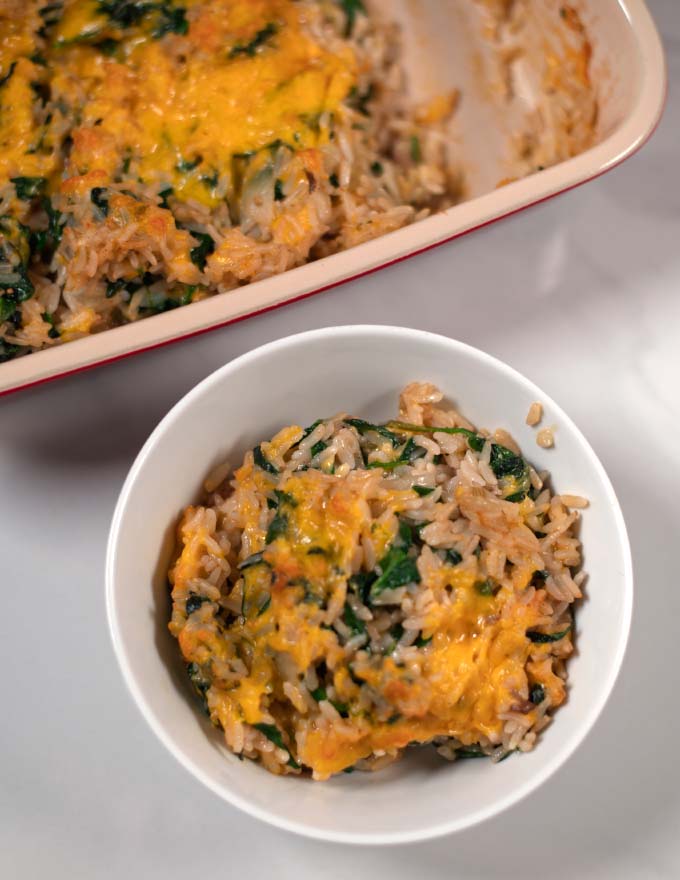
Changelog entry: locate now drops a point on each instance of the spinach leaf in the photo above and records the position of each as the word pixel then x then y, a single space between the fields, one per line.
pixel 485 588
pixel 100 199
pixel 8 75
pixel 274 734
pixel 352 621
pixel 53 333
pixel 420 642
pixel 7 351
pixel 317 448
pixel 28 188
pixel 262 462
pixel 543 638
pixel 512 472
pixel 398 569
pixel 474 440
pixel 452 557
pixel 277 527
pixel 311 428
pixel 361 583
pixel 285 498
pixel 260 38
pixel 363 427
pixel 423 490
pixel 537 694
pixel 203 249
pixel 470 752
pixel 351 8
pixel 164 195
pixel 171 20
pixel 194 602
pixel 254 559
pixel 200 684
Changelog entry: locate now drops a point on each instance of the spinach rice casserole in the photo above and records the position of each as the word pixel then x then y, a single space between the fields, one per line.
pixel 156 152
pixel 355 589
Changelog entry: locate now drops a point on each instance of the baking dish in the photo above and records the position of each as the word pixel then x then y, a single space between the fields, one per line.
pixel 441 50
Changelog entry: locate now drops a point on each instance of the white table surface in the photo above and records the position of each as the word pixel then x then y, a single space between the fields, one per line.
pixel 583 295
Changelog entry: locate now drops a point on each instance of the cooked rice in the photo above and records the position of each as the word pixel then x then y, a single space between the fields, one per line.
pixel 354 589
pixel 546 438
pixel 152 155
pixel 535 414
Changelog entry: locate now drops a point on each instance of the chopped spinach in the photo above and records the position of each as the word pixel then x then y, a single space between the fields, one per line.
pixel 165 16
pixel 277 527
pixel 171 20
pixel 363 427
pixel 262 462
pixel 200 685
pixel 397 567
pixel 194 602
pixel 260 38
pixel 205 247
pixel 453 557
pixel 416 151
pixel 285 498
pixel 543 638
pixel 253 559
pixel 274 734
pixel 7 351
pixel 423 490
pixel 279 194
pixel 485 588
pixel 351 8
pixel 334 180
pixel 164 195
pixel 350 619
pixel 474 440
pixel 376 169
pixel 317 448
pixel 470 752
pixel 184 166
pixel 511 470
pixel 310 429
pixel 28 188
pixel 420 642
pixel 7 76
pixel 265 605
pixel 53 333
pixel 316 551
pixel 100 199
pixel 537 694
pixel 361 583
pixel 359 100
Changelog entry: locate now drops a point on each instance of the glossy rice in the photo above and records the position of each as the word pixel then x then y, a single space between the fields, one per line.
pixel 352 591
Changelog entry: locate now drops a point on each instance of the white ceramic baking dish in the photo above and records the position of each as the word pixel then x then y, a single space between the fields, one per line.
pixel 441 50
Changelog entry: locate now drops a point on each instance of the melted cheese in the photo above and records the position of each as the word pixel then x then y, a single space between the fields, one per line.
pixel 180 108
pixel 478 660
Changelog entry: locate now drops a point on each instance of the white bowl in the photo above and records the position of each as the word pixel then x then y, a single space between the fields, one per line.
pixel 298 379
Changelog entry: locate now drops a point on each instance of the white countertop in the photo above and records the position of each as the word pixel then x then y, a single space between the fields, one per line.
pixel 581 294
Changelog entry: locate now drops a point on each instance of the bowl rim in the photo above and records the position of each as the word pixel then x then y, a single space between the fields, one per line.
pixel 562 752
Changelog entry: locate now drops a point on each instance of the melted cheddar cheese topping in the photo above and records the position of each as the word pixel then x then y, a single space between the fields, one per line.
pixel 182 97
pixel 475 662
